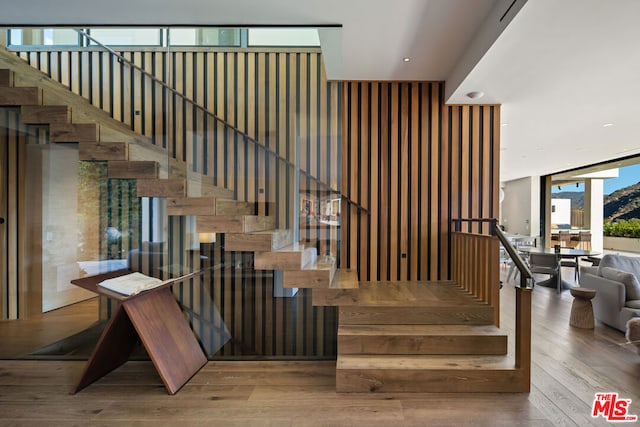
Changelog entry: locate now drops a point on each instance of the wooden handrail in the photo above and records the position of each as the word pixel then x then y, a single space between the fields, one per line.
pixel 465 259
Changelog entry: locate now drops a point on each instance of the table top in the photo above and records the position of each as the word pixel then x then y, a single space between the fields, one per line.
pixel 570 252
pixel 90 283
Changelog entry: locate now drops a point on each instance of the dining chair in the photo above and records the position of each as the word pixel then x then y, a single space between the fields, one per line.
pixel 584 240
pixel 564 237
pixel 543 263
pixel 573 263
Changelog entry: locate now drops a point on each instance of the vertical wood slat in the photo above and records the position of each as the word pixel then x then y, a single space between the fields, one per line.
pixel 430 163
pixel 475 260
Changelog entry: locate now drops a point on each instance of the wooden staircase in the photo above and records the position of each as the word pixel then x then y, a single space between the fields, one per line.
pixel 214 208
pixel 393 337
pixel 421 337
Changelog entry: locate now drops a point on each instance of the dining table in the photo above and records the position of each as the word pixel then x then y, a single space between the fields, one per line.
pixel 564 253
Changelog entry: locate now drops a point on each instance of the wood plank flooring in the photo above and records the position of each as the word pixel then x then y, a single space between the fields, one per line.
pixel 569 366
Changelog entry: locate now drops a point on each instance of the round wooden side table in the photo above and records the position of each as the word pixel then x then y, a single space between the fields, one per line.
pixel 581 309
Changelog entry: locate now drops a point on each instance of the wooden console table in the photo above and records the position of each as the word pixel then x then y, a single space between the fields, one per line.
pixel 154 318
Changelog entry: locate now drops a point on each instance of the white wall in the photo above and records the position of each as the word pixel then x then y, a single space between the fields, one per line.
pixel 560 211
pixel 520 208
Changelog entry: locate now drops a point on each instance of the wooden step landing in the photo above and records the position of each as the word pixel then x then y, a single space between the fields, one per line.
pixel 234 223
pixel 421 339
pixel 293 257
pixel 260 241
pixel 344 290
pixel 426 374
pixel 415 303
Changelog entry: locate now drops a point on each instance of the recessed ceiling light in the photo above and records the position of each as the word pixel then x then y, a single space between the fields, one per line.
pixel 406 59
pixel 607 125
pixel 475 94
pixel 504 124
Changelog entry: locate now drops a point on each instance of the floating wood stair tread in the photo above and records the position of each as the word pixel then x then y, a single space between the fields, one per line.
pixel 234 223
pixel 234 207
pixel 177 206
pixel 45 114
pixel 174 187
pixel 6 78
pixel 417 373
pixel 103 151
pixel 74 132
pixel 17 96
pixel 421 339
pixel 292 257
pixel 317 274
pixel 134 169
pixel 259 241
pixel 197 188
pixel 343 290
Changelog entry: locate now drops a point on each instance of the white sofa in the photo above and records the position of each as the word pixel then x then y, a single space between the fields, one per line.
pixel 617 283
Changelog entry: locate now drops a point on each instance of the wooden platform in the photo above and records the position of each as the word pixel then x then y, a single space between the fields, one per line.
pixel 422 337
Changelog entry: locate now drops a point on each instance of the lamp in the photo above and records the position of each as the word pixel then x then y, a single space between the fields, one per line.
pixel 206 237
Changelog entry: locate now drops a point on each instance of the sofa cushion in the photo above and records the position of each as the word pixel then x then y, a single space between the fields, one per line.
pixel 635 303
pixel 620 262
pixel 632 287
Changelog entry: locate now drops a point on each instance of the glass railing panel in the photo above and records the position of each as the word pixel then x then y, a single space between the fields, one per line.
pixel 181 116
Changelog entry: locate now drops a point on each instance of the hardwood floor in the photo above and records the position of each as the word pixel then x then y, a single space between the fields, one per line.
pixel 569 366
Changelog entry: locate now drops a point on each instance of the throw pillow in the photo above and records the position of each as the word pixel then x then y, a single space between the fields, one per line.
pixel 630 281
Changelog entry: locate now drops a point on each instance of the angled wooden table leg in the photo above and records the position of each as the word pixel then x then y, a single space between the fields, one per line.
pixel 113 349
pixel 153 317
pixel 167 337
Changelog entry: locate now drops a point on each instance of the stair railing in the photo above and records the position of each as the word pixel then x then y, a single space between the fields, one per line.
pixel 468 265
pixel 194 104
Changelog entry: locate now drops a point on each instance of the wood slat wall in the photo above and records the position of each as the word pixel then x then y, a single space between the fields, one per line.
pixel 414 164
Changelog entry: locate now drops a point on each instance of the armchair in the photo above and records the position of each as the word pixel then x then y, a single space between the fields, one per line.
pixel 615 281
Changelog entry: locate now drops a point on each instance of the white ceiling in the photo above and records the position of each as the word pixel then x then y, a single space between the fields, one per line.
pixel 560 69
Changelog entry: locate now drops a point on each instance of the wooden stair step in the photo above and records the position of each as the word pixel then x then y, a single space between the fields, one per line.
pixel 18 96
pixel 74 132
pixel 103 151
pixel 343 290
pixel 235 207
pixel 413 315
pixel 292 257
pixel 178 206
pixel 45 114
pixel 234 223
pixel 427 374
pixel 6 77
pixel 318 274
pixel 137 169
pixel 174 187
pixel 421 339
pixel 196 188
pixel 260 241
